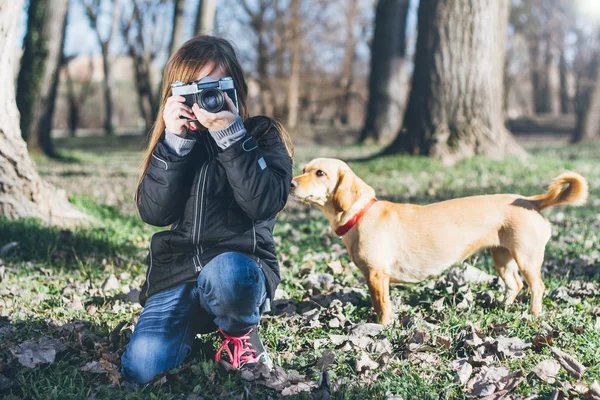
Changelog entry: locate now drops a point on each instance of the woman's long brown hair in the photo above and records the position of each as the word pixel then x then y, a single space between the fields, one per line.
pixel 184 66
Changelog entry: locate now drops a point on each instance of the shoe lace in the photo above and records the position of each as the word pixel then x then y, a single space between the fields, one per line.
pixel 241 347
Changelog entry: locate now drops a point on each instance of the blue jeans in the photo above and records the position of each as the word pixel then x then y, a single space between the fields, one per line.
pixel 230 290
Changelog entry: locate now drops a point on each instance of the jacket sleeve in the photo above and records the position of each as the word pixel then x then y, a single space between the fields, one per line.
pixel 260 174
pixel 165 187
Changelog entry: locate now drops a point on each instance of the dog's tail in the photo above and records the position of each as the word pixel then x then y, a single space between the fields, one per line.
pixel 567 188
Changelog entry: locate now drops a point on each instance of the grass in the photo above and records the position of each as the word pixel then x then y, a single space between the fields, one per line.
pixel 55 276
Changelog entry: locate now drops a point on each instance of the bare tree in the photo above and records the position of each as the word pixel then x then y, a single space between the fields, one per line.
pixel 145 39
pixel 76 98
pixel 346 78
pixel 22 192
pixel 587 98
pixel 388 50
pixel 455 105
pixel 38 76
pixel 294 81
pixel 93 11
pixel 205 19
pixel 260 24
pixel 177 26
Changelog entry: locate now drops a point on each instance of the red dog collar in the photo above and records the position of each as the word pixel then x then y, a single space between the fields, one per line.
pixel 354 220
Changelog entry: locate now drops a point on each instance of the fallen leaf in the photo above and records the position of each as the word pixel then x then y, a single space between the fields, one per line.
pixel 132 297
pixel 540 342
pixel 469 274
pixel 463 370
pixel 366 329
pixel 438 305
pixel 365 363
pixel 547 370
pixel 42 351
pixel 336 267
pixel 326 359
pixel 93 367
pixel 569 363
pixel 111 283
pixel 443 341
pixel 511 347
pixel 594 392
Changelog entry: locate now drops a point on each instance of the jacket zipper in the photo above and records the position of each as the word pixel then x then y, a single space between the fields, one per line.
pixel 253 237
pixel 201 194
pixel 150 268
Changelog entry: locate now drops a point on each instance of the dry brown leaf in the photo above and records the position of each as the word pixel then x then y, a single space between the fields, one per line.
pixel 93 367
pixel 594 392
pixel 443 341
pixel 367 329
pixel 547 370
pixel 463 370
pixel 41 351
pixel 512 347
pixel 336 267
pixel 365 363
pixel 569 363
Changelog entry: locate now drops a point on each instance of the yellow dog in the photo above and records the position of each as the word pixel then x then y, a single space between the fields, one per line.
pixel 403 243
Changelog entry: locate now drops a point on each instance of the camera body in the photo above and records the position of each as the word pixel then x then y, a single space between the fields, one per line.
pixel 208 93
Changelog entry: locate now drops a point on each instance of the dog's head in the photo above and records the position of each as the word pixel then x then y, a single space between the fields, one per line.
pixel 327 182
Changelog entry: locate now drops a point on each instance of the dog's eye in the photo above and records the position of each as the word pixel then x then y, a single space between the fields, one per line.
pixel 320 173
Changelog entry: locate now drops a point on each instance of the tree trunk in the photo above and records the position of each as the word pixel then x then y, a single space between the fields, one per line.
pixel 205 19
pixel 38 76
pixel 565 101
pixel 588 103
pixel 388 50
pixel 176 31
pixel 294 81
pixel 146 99
pixel 346 78
pixel 22 192
pixel 544 77
pixel 455 105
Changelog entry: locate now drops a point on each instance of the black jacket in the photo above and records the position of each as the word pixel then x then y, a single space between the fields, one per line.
pixel 218 201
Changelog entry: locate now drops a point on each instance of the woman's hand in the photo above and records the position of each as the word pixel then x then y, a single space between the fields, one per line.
pixel 174 110
pixel 217 121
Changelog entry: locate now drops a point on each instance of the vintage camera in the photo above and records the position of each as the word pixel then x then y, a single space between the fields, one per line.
pixel 208 93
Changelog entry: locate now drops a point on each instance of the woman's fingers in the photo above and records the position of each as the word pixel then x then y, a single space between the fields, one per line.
pixel 230 106
pixel 176 99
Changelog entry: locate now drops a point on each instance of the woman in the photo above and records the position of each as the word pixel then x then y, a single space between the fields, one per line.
pixel 219 183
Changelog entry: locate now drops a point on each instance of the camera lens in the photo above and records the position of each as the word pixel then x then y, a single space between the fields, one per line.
pixel 212 100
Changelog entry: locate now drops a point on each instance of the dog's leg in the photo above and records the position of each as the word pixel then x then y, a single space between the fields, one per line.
pixel 507 268
pixel 530 265
pixel 379 287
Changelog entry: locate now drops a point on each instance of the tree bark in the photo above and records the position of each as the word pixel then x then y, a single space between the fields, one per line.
pixel 455 105
pixel 565 101
pixel 75 100
pixel 346 79
pixel 205 19
pixel 294 81
pixel 22 192
pixel 93 12
pixel 38 77
pixel 388 50
pixel 588 103
pixel 176 31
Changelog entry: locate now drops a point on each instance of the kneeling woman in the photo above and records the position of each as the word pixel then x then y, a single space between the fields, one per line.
pixel 219 183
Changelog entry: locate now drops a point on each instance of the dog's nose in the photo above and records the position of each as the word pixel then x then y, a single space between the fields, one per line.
pixel 294 184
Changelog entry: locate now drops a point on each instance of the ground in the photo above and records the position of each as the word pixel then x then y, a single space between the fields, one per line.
pixel 67 298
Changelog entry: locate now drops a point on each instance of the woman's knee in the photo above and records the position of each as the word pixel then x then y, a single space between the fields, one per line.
pixel 233 277
pixel 145 357
pixel 148 355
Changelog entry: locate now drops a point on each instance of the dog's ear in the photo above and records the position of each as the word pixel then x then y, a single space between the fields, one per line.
pixel 347 191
